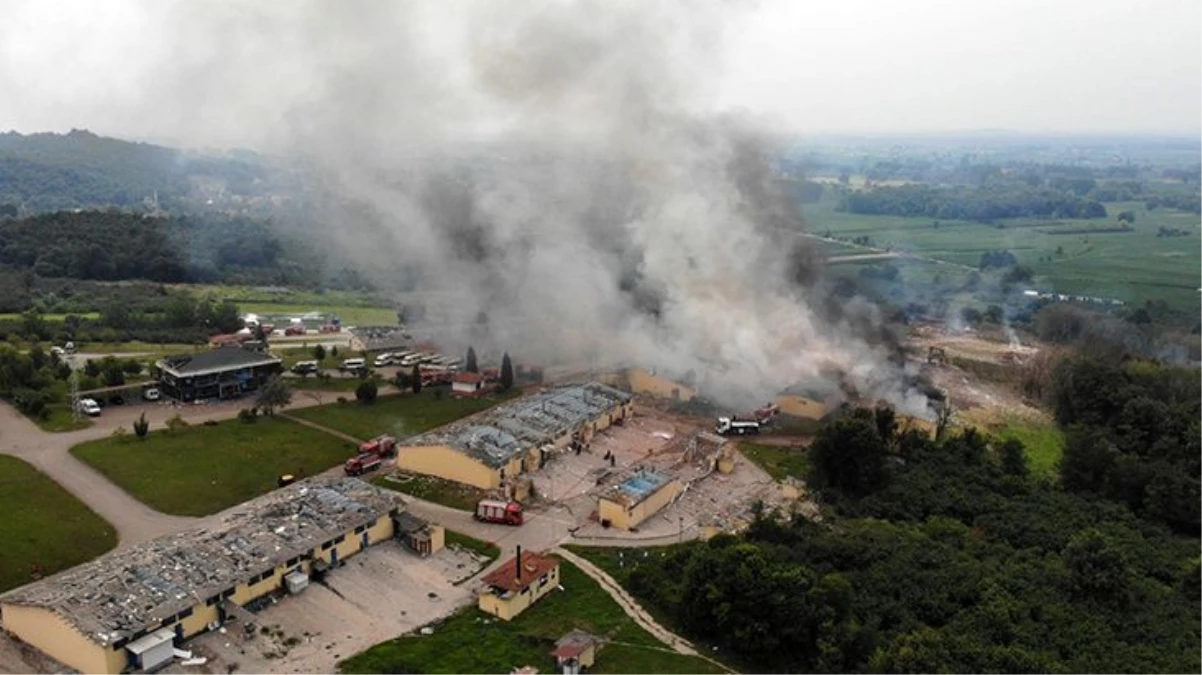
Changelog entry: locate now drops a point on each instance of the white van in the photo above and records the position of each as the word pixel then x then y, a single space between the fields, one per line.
pixel 354 364
pixel 89 407
pixel 384 359
pixel 410 360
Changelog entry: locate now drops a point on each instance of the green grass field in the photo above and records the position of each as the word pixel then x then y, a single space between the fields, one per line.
pixel 484 548
pixel 44 527
pixel 398 414
pixel 780 463
pixel 1044 442
pixel 433 489
pixel 155 350
pixel 1130 266
pixel 203 469
pixel 463 643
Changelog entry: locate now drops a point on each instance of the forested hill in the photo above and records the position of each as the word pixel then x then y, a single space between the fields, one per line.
pixel 111 245
pixel 46 172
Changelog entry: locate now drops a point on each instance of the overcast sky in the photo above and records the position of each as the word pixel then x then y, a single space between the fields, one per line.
pixel 199 74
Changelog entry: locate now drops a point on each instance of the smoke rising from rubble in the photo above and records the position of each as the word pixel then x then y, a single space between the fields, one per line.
pixel 554 166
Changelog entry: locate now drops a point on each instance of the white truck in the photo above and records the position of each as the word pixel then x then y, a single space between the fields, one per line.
pixel 733 426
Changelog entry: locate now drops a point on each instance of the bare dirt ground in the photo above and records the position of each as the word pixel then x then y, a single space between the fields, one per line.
pixel 376 596
pixel 976 399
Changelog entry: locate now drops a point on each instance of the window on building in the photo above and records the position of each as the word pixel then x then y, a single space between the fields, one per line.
pixel 185 614
pixel 361 529
pixel 340 538
pixel 227 594
pixel 292 561
pixel 327 546
pixel 213 601
pixel 120 643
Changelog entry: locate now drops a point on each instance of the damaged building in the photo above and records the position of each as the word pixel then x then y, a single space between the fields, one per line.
pixel 636 498
pixel 126 610
pixel 511 439
pixel 519 583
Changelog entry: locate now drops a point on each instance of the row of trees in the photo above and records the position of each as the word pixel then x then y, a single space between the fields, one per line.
pixel 113 245
pixel 983 204
pixel 937 555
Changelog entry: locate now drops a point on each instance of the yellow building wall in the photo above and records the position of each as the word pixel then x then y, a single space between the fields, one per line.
pixel 800 406
pixel 438 538
pixel 202 616
pixel 52 634
pixel 643 382
pixel 507 608
pixel 589 656
pixel 446 462
pixel 624 519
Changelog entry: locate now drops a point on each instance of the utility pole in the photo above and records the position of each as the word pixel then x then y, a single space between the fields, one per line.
pixel 74 380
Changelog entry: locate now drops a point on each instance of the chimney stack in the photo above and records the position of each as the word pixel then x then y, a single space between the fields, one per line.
pixel 519 566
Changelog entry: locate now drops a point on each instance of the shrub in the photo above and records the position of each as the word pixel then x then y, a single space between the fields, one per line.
pixel 176 422
pixel 141 426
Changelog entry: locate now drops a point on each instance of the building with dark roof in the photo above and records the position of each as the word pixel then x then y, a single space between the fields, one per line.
pixel 519 583
pixel 225 372
pixel 124 610
pixel 485 449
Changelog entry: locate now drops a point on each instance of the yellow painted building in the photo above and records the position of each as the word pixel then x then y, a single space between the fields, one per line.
pixel 812 402
pixel 125 610
pixel 487 449
pixel 522 581
pixel 637 498
pixel 643 381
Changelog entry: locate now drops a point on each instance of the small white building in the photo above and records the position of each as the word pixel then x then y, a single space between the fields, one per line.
pixel 467 384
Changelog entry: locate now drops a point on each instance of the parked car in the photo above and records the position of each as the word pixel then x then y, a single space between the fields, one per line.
pixel 151 394
pixel 294 329
pixel 354 364
pixel 117 399
pixel 305 367
pixel 384 359
pixel 89 407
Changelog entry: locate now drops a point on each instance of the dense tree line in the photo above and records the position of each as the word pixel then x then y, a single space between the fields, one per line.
pixel 937 556
pixel 983 204
pixel 112 245
pixel 1133 435
pixel 47 172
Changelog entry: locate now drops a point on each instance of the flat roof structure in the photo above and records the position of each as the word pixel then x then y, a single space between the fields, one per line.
pixel 213 361
pixel 497 435
pixel 636 487
pixel 127 592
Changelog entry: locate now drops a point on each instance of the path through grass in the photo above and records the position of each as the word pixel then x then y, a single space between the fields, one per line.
pixel 203 469
pixel 473 642
pixel 44 527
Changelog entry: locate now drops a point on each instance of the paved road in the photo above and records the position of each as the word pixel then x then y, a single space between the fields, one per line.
pixel 50 453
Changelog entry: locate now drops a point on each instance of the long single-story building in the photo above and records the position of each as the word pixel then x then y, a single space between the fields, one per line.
pixel 638 497
pixel 812 400
pixel 510 439
pixel 126 610
pixel 225 372
pixel 651 383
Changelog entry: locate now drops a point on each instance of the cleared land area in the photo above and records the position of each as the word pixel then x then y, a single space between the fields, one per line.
pixel 1130 266
pixel 44 528
pixel 398 414
pixel 464 643
pixel 202 469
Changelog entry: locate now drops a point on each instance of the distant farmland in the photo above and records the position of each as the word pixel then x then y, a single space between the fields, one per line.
pixel 1133 266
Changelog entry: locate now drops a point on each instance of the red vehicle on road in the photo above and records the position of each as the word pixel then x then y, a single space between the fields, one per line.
pixel 499 511
pixel 362 464
pixel 380 446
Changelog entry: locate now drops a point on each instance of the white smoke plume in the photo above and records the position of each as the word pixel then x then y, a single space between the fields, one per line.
pixel 554 165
